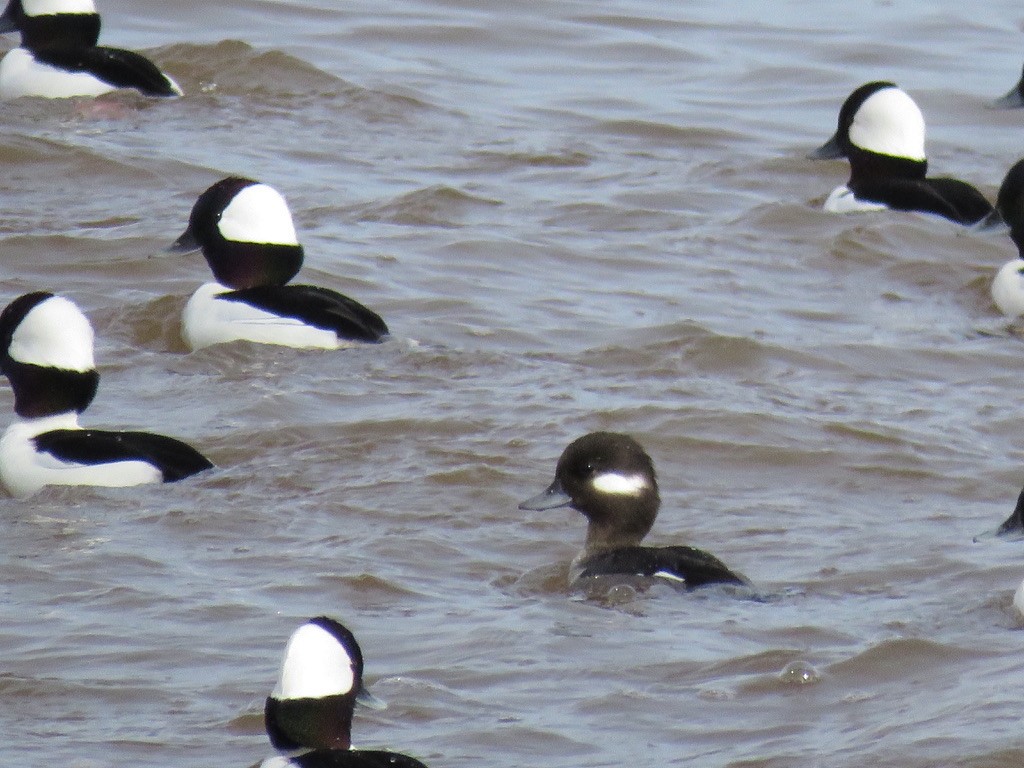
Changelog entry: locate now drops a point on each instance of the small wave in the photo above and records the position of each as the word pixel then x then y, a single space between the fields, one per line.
pixel 663 133
pixel 435 206
pixel 235 68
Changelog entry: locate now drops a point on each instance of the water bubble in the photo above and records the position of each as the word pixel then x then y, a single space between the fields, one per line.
pixel 799 673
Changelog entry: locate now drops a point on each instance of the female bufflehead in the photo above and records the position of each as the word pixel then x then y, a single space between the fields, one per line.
pixel 1008 285
pixel 59 57
pixel 309 712
pixel 46 352
pixel 881 133
pixel 246 233
pixel 1014 98
pixel 610 479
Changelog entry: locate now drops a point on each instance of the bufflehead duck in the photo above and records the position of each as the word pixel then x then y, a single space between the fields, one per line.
pixel 881 132
pixel 1014 98
pixel 309 713
pixel 245 231
pixel 59 57
pixel 1008 285
pixel 46 352
pixel 610 479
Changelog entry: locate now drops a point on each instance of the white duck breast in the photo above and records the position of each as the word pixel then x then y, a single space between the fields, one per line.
pixel 25 470
pixel 1008 288
pixel 889 123
pixel 315 665
pixel 843 200
pixel 258 214
pixel 208 320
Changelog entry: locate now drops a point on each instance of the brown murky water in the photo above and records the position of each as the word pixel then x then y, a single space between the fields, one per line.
pixel 574 216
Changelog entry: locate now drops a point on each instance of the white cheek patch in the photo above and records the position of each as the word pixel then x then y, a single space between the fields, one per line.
pixel 49 7
pixel 258 214
pixel 621 485
pixel 890 123
pixel 54 333
pixel 315 665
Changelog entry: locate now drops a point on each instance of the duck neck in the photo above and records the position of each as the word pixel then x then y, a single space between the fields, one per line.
pixel 601 538
pixel 43 391
pixel 866 165
pixel 320 723
pixel 60 30
pixel 250 265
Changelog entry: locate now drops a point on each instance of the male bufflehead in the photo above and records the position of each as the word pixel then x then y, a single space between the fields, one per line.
pixel 309 713
pixel 1014 98
pixel 46 352
pixel 881 132
pixel 59 57
pixel 610 479
pixel 246 233
pixel 1008 285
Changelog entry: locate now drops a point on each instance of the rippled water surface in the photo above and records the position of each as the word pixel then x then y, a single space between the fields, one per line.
pixel 574 216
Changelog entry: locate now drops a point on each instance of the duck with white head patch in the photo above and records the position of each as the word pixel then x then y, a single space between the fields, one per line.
pixel 309 713
pixel 245 231
pixel 1008 285
pixel 46 352
pixel 59 56
pixel 881 132
pixel 610 479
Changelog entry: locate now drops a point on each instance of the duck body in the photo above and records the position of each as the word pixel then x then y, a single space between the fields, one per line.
pixel 350 758
pixel 245 231
pixel 304 316
pixel 59 56
pixel 47 355
pixel 688 565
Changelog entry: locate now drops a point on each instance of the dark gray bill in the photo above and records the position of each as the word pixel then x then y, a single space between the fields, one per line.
pixel 366 699
pixel 552 497
pixel 830 150
pixel 991 222
pixel 187 243
pixel 1012 528
pixel 1012 100
pixel 9 20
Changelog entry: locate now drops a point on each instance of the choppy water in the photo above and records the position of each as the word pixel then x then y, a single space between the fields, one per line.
pixel 574 216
